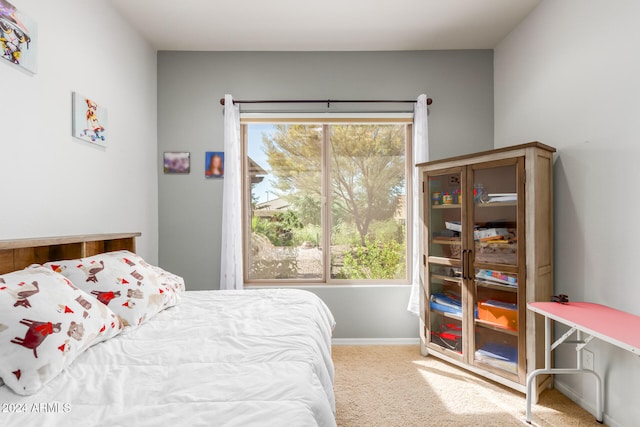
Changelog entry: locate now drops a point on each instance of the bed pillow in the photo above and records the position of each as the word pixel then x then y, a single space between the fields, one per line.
pixel 124 282
pixel 170 280
pixel 45 323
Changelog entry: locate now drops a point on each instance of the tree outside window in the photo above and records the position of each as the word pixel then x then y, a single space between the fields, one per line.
pixel 360 169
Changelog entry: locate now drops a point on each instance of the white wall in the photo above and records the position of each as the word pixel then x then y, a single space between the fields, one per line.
pixel 569 76
pixel 53 184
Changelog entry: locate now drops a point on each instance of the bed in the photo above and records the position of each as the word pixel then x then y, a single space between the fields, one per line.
pixel 232 358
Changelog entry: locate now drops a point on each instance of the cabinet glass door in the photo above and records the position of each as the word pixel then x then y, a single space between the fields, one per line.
pixel 445 289
pixel 497 271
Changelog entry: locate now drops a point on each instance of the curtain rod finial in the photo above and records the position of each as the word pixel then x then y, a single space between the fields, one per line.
pixel 222 101
pixel 429 101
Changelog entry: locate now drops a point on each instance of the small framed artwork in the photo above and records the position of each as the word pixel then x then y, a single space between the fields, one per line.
pixel 90 120
pixel 176 162
pixel 18 37
pixel 214 164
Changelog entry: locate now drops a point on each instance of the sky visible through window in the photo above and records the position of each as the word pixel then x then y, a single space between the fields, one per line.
pixel 255 132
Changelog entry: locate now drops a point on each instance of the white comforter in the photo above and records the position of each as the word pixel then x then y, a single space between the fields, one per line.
pixel 219 358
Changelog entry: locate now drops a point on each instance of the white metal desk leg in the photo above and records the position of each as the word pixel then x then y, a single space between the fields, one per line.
pixel 599 399
pixel 548 348
pixel 530 381
pixel 547 366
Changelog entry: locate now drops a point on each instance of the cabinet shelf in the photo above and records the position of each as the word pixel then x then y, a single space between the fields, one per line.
pixel 445 241
pixel 452 206
pixel 445 314
pixel 496 204
pixel 457 280
pixel 496 286
pixel 452 262
pixel 494 327
pixel 498 365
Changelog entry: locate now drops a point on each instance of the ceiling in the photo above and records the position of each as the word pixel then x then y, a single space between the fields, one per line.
pixel 328 25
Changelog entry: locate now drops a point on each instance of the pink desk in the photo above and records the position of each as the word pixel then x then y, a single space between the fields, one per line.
pixel 595 321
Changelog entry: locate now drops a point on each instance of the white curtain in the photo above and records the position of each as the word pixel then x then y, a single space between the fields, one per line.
pixel 420 154
pixel 231 276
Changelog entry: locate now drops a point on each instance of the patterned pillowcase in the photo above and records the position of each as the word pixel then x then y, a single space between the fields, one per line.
pixel 45 323
pixel 123 281
pixel 170 280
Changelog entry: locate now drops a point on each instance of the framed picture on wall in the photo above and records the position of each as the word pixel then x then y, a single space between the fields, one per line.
pixel 18 37
pixel 90 120
pixel 214 164
pixel 177 162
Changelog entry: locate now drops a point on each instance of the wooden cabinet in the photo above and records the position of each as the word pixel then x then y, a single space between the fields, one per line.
pixel 487 246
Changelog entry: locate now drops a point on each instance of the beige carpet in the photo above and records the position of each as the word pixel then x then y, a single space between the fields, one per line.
pixel 390 386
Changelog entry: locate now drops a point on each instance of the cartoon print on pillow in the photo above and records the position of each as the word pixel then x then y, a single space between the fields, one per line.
pixel 65 309
pixel 36 333
pixel 84 303
pixel 64 347
pixel 105 297
pixel 139 277
pixel 135 293
pixel 125 283
pixel 22 297
pixel 128 262
pixel 76 331
pixel 129 304
pixel 92 271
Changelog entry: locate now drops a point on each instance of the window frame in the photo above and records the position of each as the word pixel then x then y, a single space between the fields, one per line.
pixel 327 121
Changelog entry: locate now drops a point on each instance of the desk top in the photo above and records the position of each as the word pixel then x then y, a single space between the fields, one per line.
pixel 606 323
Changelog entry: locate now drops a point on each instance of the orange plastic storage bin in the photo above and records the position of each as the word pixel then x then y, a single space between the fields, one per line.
pixel 499 313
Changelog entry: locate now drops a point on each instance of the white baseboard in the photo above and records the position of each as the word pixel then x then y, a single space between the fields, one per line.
pixel 375 341
pixel 584 404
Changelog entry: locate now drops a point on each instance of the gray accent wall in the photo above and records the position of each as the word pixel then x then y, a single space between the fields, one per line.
pixel 190 85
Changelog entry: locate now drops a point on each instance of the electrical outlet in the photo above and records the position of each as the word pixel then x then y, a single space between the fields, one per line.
pixel 587 359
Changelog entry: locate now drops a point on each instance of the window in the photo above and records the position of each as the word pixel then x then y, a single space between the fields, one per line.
pixel 326 201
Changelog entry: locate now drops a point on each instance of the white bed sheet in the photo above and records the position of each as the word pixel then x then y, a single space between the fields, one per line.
pixel 219 358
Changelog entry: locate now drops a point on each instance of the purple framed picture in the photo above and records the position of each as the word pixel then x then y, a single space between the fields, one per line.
pixel 177 162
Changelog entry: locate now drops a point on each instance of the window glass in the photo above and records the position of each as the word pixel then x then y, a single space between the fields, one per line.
pixel 368 201
pixel 360 170
pixel 285 174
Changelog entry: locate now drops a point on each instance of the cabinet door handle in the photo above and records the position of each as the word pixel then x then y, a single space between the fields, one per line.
pixel 464 264
pixel 470 272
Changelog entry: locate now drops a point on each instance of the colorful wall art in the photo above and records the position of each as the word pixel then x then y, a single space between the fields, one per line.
pixel 18 37
pixel 90 121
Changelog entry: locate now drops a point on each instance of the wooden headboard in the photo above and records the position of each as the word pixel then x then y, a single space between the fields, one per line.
pixel 21 253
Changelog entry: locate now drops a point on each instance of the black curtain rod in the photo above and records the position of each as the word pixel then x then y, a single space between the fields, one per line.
pixel 320 101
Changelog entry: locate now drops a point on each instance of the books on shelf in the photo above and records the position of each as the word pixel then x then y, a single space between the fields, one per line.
pixel 488 234
pixel 446 303
pixel 502 197
pixel 497 277
pixel 453 226
pixel 501 304
pixel 499 355
pixel 499 313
